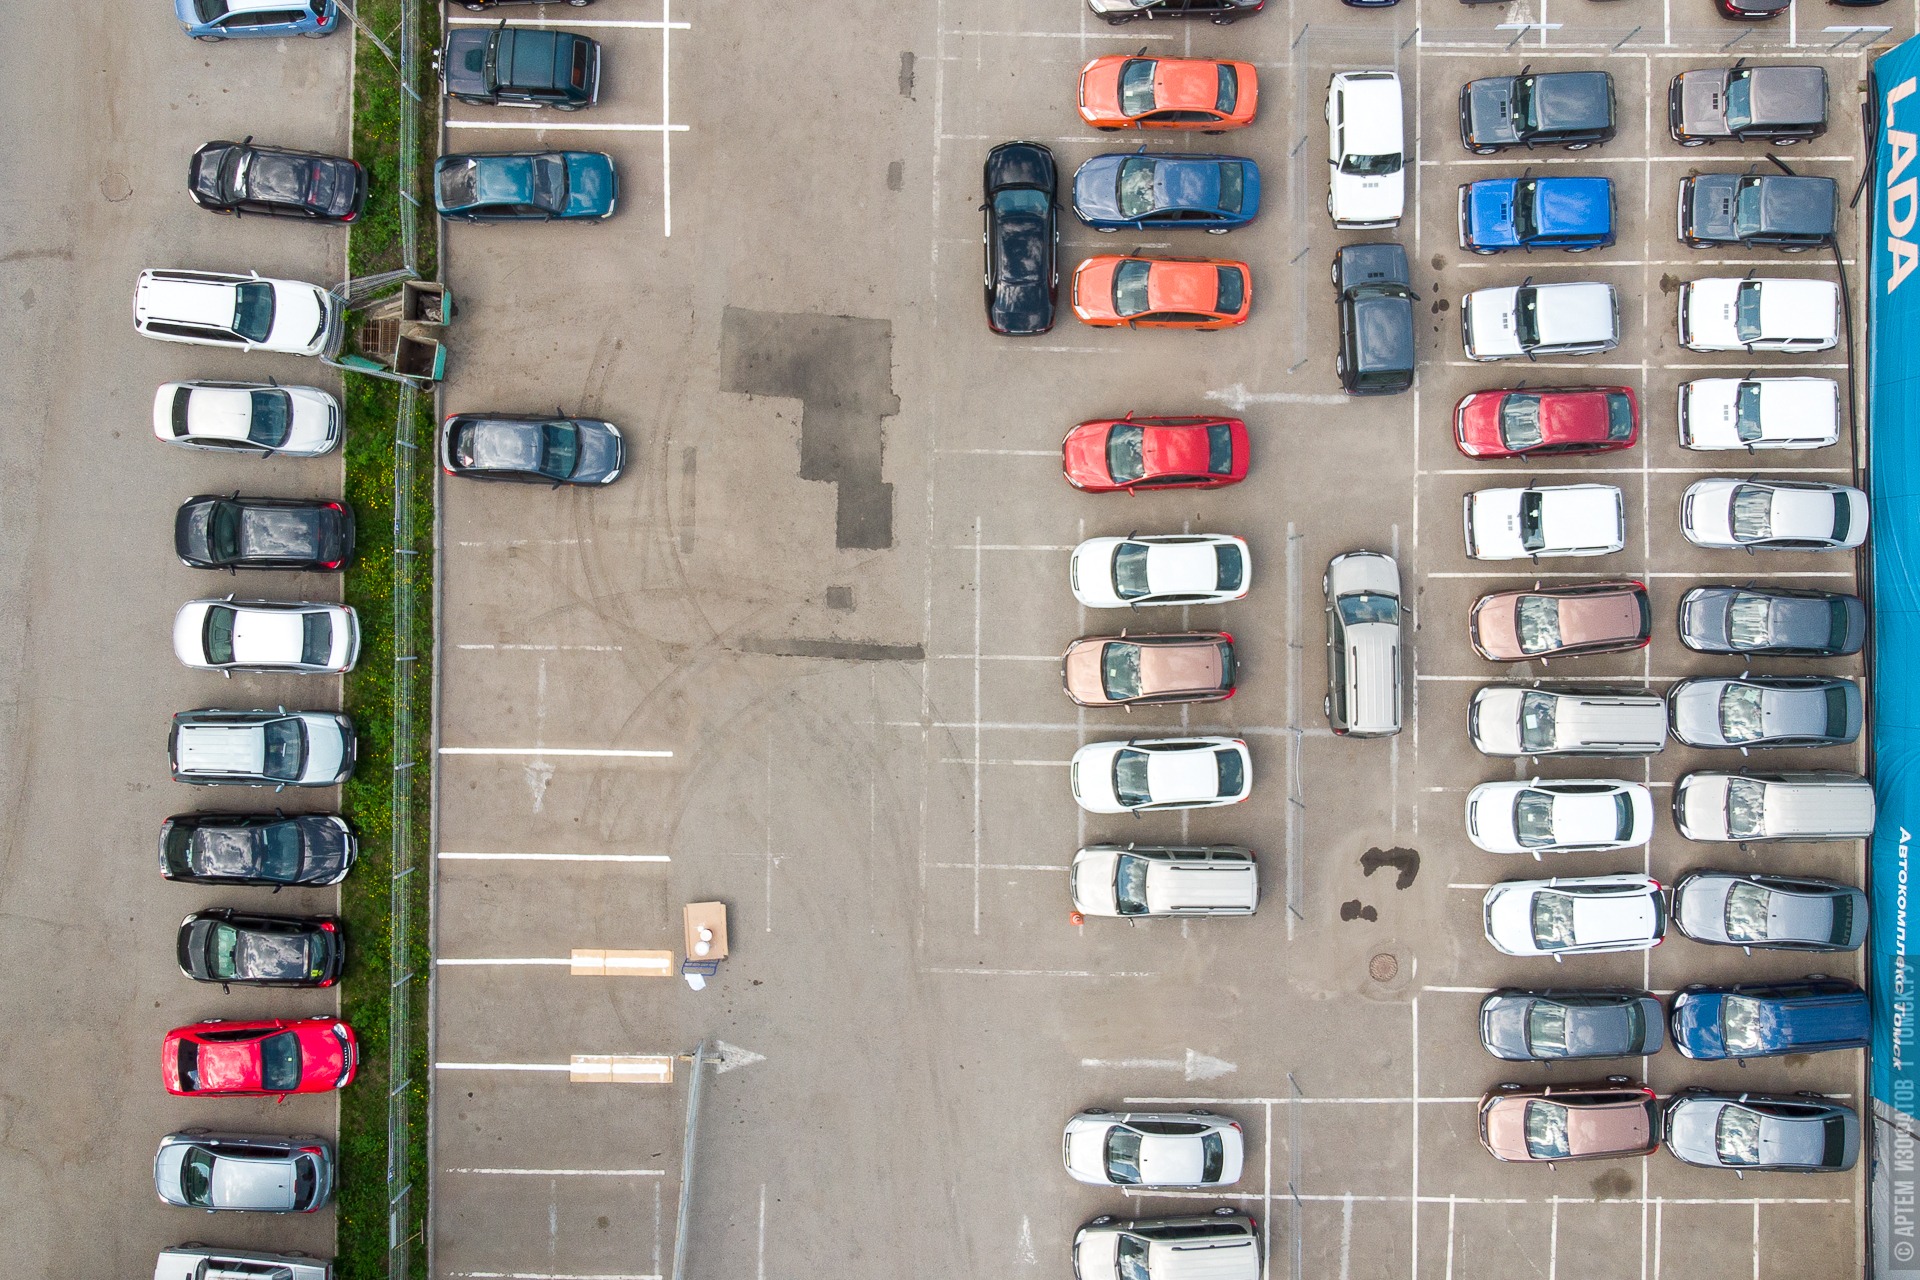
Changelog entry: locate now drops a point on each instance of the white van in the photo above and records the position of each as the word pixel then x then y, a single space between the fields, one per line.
pixel 1514 720
pixel 1164 880
pixel 1223 1245
pixel 1363 645
pixel 1366 145
pixel 1821 805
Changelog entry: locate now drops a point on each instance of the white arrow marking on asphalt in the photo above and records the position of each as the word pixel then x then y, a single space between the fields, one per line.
pixel 732 1055
pixel 1195 1066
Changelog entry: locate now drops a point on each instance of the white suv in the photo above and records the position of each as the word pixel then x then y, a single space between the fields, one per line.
pixel 250 312
pixel 1365 149
pixel 1728 314
pixel 1533 320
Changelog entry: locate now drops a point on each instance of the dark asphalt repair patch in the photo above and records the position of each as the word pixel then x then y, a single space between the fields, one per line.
pixel 840 368
pixel 845 650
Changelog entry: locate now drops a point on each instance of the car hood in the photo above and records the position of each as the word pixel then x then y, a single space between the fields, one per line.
pixel 1081 671
pixel 592 186
pixel 1703 104
pixel 1710 409
pixel 1704 615
pixel 299 311
pixel 1490 816
pixel 1696 711
pixel 203 170
pixel 1086 1150
pixel 1489 111
pixel 1369 197
pixel 1509 919
pixel 602 453
pixel 1710 312
pixel 1702 907
pixel 1489 206
pixel 1019 164
pixel 1690 1128
pixel 327 845
pixel 1696 1024
pixel 1709 205
pixel 1490 322
pixel 253 1184
pixel 464 64
pixel 1701 805
pixel 1083 454
pixel 1092 881
pixel 1096 187
pixel 327 746
pixel 1096 1254
pixel 1503 1024
pixel 1495 712
pixel 1505 1125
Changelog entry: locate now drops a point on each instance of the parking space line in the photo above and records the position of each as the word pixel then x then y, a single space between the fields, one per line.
pixel 977 547
pixel 1326 1197
pixel 1693 157
pixel 553 857
pixel 501 960
pixel 552 1275
pixel 666 113
pixel 503 1066
pixel 1569 573
pixel 592 753
pixel 1480 263
pixel 1043 726
pixel 563 1173
pixel 1647 471
pixel 1127 36
pixel 1002 453
pixel 543 648
pixel 1730 369
pixel 978 611
pixel 995 657
pixel 570 126
pixel 1054 868
pixel 978 761
pixel 1035 973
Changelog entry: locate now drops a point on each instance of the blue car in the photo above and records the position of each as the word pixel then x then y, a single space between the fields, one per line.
pixel 525 186
pixel 1574 214
pixel 1761 1019
pixel 1140 191
pixel 238 19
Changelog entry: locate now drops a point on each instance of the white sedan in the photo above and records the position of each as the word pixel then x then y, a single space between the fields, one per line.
pixel 1163 568
pixel 1154 1149
pixel 1583 815
pixel 1759 413
pixel 261 635
pixel 1727 313
pixel 1570 917
pixel 247 417
pixel 1160 773
pixel 1559 520
pixel 1773 515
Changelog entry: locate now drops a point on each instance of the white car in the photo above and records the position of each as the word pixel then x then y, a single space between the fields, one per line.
pixel 1556 520
pixel 1512 720
pixel 1366 150
pixel 1725 313
pixel 1759 413
pixel 1773 515
pixel 1164 568
pixel 1580 815
pixel 247 417
pixel 1160 773
pixel 1535 320
pixel 1585 915
pixel 195 1261
pixel 1164 880
pixel 249 312
pixel 260 635
pixel 1154 1149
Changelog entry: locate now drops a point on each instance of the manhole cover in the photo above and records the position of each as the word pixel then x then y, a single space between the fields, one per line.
pixel 1383 968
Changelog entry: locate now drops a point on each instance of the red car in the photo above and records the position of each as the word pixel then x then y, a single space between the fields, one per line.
pixel 259 1059
pixel 1542 421
pixel 1131 92
pixel 1113 455
pixel 1162 293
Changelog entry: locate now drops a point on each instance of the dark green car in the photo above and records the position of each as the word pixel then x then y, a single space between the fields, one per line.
pixel 526 186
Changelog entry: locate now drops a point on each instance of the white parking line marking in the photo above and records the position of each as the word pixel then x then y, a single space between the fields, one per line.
pixel 1038 973
pixel 592 753
pixel 552 1275
pixel 570 126
pixel 1055 868
pixel 554 857
pixel 1587 364
pixel 1127 36
pixel 1640 471
pixel 501 960
pixel 564 1173
pixel 1007 546
pixel 521 542
pixel 1237 397
pixel 666 113
pixel 977 761
pixel 1002 453
pixel 1481 263
pixel 1693 157
pixel 762 1273
pixel 991 657
pixel 503 1066
pixel 544 648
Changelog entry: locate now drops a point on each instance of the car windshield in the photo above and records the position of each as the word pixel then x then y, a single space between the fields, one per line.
pixel 272 417
pixel 218 634
pixel 1526 317
pixel 1532 528
pixel 1130 570
pixel 1364 606
pixel 1523 103
pixel 316 639
pixel 1552 921
pixel 1533 819
pixel 279 848
pixel 550 183
pixel 1136 86
pixel 280 1062
pixel 223 951
pixel 1747 912
pixel 1741 713
pixel 1622 816
pixel 1520 421
pixel 1130 287
pixel 1136 186
pixel 196 1178
pixel 1736 1136
pixel 253 310
pixel 1536 721
pixel 561 449
pixel 1371 166
pixel 286 741
pixel 1547 1130
pixel 1547 1027
pixel 1130 1253
pixel 1125 457
pixel 1120 671
pixel 1750 622
pixel 223 531
pixel 1233 192
pixel 1123 1155
pixel 208 10
pixel 1130 778
pixel 1746 312
pixel 1130 885
pixel 1536 620
pixel 1746 808
pixel 1746 207
pixel 1739 100
pixel 1525 225
pixel 1752 512
pixel 1743 1024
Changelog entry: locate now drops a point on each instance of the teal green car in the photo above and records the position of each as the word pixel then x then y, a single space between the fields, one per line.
pixel 526 186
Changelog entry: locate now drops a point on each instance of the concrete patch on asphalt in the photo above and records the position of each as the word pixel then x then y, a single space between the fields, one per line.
pixel 844 650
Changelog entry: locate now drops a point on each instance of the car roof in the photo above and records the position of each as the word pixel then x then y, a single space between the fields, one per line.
pixel 219 748
pixel 202 302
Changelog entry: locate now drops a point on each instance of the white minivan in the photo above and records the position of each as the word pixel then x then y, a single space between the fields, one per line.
pixel 1366 146
pixel 1363 645
pixel 1809 805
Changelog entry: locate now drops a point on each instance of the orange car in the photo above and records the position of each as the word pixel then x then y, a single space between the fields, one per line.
pixel 1120 92
pixel 1162 293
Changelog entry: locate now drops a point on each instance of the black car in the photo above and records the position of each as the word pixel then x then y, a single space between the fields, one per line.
pixel 1376 319
pixel 521 67
pixel 227 946
pixel 269 849
pixel 1221 12
pixel 481 5
pixel 1753 210
pixel 1752 10
pixel 1772 622
pixel 1022 238
pixel 536 450
pixel 238 177
pixel 1781 105
pixel 1571 109
pixel 1553 1026
pixel 211 532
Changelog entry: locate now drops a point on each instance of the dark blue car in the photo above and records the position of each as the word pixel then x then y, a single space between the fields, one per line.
pixel 236 19
pixel 1574 214
pixel 1140 191
pixel 525 186
pixel 1761 1019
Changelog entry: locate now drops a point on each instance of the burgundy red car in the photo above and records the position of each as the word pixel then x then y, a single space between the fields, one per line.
pixel 1527 422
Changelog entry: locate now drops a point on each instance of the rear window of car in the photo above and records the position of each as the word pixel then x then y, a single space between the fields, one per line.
pixel 582 56
pixel 1229 566
pixel 1233 289
pixel 1228 93
pixel 1233 772
pixel 1837 712
pixel 1219 449
pixel 280 1063
pixel 1842 517
pixel 316 639
pixel 1842 932
pixel 1233 187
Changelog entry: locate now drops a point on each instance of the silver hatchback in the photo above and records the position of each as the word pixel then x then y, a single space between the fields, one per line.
pixel 197 1169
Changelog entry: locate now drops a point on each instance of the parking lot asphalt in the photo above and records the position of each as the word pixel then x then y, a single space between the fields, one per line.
pixel 867 739
pixel 113 101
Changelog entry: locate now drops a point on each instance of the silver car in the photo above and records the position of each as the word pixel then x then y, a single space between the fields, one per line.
pixel 1773 912
pixel 1765 711
pixel 197 1169
pixel 1804 1133
pixel 1153 1149
pixel 195 1261
pixel 1223 1245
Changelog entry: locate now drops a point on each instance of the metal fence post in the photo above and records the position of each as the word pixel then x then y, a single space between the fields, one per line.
pixel 686 1163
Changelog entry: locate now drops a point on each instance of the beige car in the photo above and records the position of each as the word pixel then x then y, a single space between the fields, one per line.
pixel 1606 1119
pixel 1119 671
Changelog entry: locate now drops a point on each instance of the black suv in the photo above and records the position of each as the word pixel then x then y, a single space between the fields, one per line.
pixel 1571 109
pixel 1222 12
pixel 1376 319
pixel 1776 210
pixel 521 67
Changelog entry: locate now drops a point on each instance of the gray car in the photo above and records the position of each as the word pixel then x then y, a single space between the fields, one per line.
pixel 1376 319
pixel 1765 711
pixel 1553 1026
pixel 1772 912
pixel 197 1169
pixel 1781 105
pixel 1222 1245
pixel 1803 1133
pixel 1772 621
pixel 1753 210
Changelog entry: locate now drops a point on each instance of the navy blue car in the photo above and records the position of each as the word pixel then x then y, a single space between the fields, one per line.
pixel 234 19
pixel 1574 214
pixel 1762 1019
pixel 1139 191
